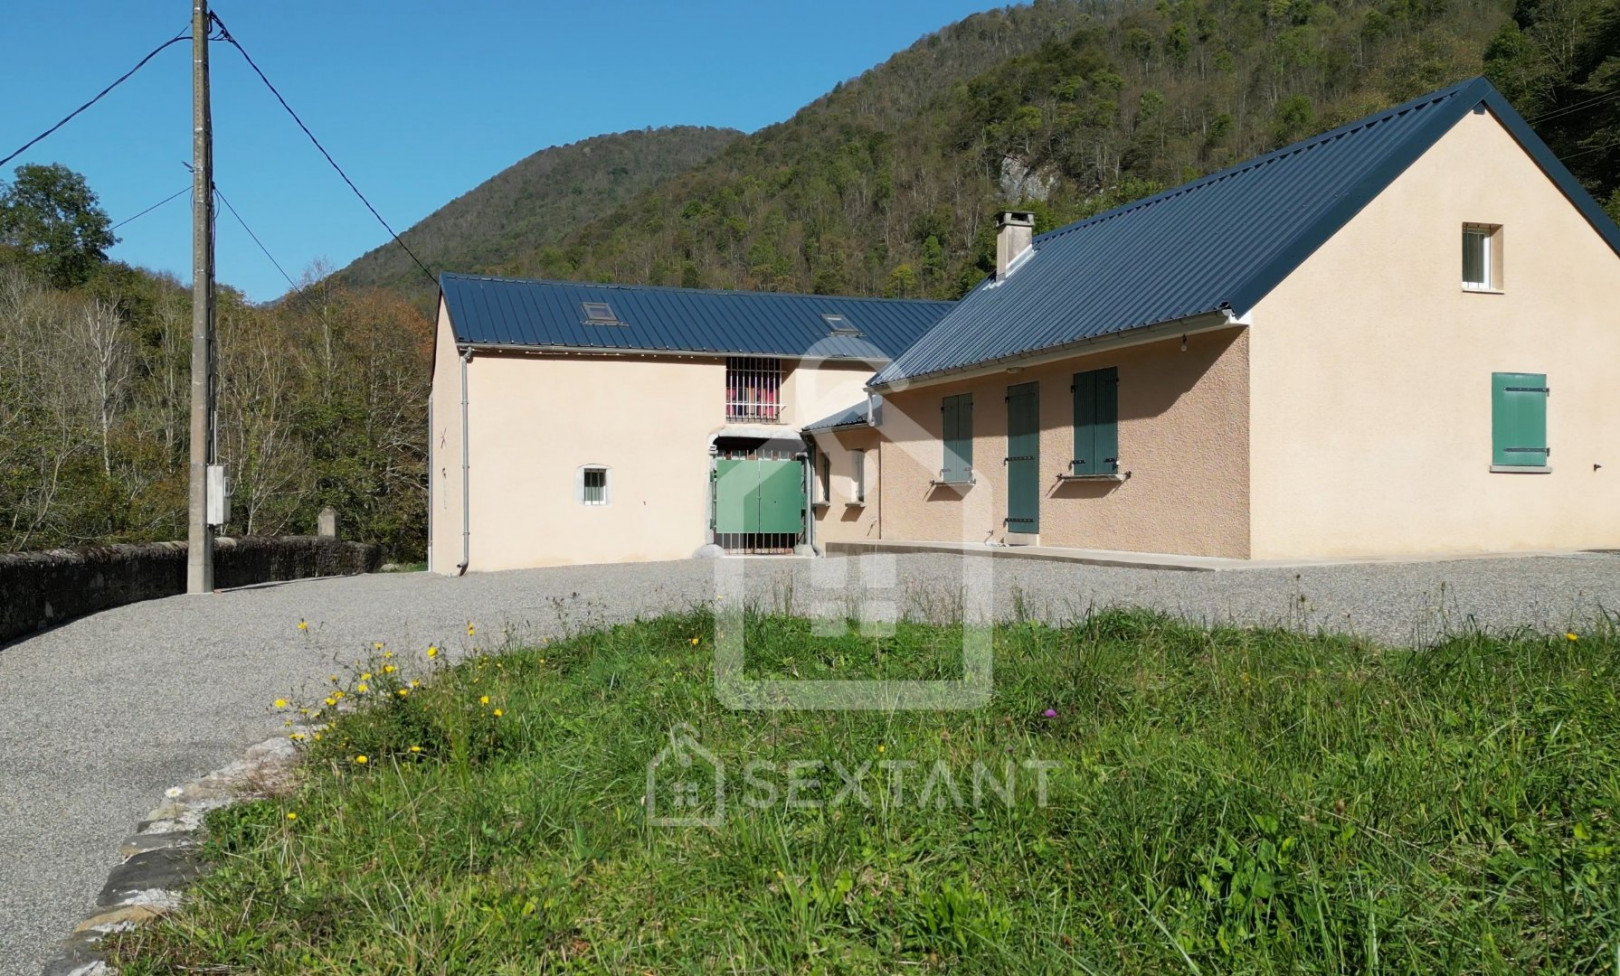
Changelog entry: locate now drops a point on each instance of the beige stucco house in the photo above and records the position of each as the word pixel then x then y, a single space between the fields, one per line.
pixel 1395 338
pixel 577 423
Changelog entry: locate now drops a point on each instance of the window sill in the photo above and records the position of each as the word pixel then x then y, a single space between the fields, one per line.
pixel 1520 469
pixel 854 504
pixel 958 485
pixel 1115 477
pixel 1470 290
pixel 819 504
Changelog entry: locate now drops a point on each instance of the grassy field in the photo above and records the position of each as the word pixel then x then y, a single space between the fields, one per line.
pixel 1224 801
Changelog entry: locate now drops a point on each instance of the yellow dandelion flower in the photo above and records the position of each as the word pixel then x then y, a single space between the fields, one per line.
pixel 361 688
pixel 297 737
pixel 332 678
pixel 433 652
pixel 389 669
pixel 414 683
pixel 317 737
pixel 387 655
pixel 694 642
pixel 303 625
pixel 280 703
pixel 366 676
pixel 360 760
pixel 484 700
pixel 416 748
pixel 403 692
pixel 880 747
pixel 499 713
pixel 377 646
pixel 471 630
pixel 1571 636
pixel 542 660
pixel 330 702
pixel 291 815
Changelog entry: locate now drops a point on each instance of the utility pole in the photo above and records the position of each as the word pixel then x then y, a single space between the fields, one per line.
pixel 200 537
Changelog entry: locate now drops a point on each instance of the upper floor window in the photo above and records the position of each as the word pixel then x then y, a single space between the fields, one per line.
pixel 1482 257
pixel 753 389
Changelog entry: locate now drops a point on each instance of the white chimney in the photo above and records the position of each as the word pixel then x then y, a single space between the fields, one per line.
pixel 1014 232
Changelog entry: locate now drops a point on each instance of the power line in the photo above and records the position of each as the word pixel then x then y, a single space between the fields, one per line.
pixel 186 189
pixel 1569 109
pixel 290 283
pixel 1583 152
pixel 225 34
pixel 70 116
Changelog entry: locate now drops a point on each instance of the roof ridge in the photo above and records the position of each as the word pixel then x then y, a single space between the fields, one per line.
pixel 1264 159
pixel 626 286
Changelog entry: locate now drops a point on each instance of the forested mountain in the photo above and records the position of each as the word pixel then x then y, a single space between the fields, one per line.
pixel 888 185
pixel 534 202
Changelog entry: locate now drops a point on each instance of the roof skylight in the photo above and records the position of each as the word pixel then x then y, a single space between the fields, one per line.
pixel 599 313
pixel 839 326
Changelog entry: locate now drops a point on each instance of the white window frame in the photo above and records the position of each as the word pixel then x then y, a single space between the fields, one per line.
pixel 857 477
pixel 607 485
pixel 1489 236
pixel 824 477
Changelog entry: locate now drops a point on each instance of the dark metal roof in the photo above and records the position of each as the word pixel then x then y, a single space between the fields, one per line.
pixel 1218 243
pixel 859 415
pixel 551 314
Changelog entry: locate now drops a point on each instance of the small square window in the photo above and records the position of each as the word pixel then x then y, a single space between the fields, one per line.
pixel 1482 257
pixel 593 485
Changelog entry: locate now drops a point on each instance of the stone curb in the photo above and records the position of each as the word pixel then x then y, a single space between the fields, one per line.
pixel 161 858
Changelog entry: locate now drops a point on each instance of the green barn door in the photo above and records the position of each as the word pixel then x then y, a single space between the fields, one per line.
pixel 736 496
pixel 759 504
pixel 781 497
pixel 1023 458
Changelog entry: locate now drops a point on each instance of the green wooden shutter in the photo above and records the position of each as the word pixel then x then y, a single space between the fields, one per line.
pixel 1106 443
pixel 1085 409
pixel 1519 419
pixel 1096 422
pixel 1023 458
pixel 958 466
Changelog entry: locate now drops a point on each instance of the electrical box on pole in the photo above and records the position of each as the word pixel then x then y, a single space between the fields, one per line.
pixel 219 497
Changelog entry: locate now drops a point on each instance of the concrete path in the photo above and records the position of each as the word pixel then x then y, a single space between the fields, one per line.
pixel 100 716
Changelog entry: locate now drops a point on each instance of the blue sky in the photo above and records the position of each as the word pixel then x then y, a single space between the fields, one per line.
pixel 418 101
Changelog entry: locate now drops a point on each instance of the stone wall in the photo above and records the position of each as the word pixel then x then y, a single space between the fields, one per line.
pixel 41 589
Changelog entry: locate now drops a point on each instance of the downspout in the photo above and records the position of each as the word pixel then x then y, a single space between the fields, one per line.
pixel 432 455
pixel 874 404
pixel 466 481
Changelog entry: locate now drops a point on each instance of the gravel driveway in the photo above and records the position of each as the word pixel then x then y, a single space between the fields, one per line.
pixel 99 716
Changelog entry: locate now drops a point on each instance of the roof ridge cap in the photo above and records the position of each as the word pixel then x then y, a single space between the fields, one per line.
pixel 629 286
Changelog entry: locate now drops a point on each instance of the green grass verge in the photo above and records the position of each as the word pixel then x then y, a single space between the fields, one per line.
pixel 1227 801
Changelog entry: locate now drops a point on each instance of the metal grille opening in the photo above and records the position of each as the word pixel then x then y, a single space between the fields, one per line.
pixel 595 486
pixel 753 390
pixel 758 543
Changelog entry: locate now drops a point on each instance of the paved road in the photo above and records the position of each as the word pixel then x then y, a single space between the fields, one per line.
pixel 99 716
